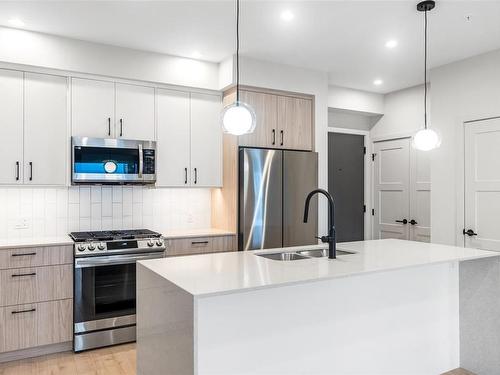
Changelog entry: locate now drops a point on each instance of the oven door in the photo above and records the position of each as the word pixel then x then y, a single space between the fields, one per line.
pixel 105 290
pixel 113 161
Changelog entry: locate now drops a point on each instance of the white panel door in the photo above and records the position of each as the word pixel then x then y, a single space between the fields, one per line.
pixel 45 129
pixel 391 189
pixel 206 140
pixel 92 108
pixel 11 127
pixel 135 112
pixel 173 164
pixel 420 196
pixel 482 184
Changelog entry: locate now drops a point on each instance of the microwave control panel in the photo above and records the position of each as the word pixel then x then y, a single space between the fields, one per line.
pixel 149 161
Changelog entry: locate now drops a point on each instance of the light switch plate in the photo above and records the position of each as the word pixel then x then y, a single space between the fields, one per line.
pixel 22 224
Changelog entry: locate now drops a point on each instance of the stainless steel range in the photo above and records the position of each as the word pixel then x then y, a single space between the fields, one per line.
pixel 105 280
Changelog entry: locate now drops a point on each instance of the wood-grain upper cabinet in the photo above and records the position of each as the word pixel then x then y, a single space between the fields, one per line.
pixel 282 121
pixel 135 112
pixel 295 123
pixel 45 129
pixel 92 108
pixel 11 126
pixel 206 140
pixel 266 111
pixel 174 143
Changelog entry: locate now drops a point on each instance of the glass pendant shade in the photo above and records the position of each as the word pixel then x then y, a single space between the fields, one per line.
pixel 238 119
pixel 426 140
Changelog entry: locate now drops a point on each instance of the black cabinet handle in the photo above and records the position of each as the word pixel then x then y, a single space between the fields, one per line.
pixel 199 242
pixel 469 232
pixel 23 311
pixel 121 127
pixel 17 171
pixel 109 126
pixel 281 136
pixel 274 137
pixel 195 176
pixel 413 222
pixel 185 176
pixel 24 274
pixel 31 170
pixel 404 221
pixel 23 255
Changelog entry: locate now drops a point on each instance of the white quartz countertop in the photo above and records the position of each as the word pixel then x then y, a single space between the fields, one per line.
pixel 35 242
pixel 188 233
pixel 221 273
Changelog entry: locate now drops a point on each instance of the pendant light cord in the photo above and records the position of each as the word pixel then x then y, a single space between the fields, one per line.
pixel 425 69
pixel 237 51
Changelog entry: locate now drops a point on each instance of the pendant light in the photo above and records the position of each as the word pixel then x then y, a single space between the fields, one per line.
pixel 238 118
pixel 426 139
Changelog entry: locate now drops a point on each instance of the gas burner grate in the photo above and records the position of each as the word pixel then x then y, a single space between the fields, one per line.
pixel 113 235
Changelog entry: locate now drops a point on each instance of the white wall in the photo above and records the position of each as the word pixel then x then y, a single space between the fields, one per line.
pixel 461 91
pixel 403 114
pixel 48 51
pixel 283 77
pixel 50 212
pixel 355 100
pixel 351 120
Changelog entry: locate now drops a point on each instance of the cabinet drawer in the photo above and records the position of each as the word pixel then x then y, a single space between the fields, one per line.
pixel 30 325
pixel 35 256
pixel 201 245
pixel 27 285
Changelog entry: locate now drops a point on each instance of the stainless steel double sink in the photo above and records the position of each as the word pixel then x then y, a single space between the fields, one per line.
pixel 302 254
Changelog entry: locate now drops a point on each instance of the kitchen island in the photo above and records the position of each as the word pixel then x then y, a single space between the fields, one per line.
pixel 383 307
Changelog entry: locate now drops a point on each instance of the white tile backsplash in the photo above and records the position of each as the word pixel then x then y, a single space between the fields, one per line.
pixel 57 211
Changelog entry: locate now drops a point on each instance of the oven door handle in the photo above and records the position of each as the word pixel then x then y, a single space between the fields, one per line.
pixel 114 259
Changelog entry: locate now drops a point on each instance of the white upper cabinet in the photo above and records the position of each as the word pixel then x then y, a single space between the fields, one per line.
pixel 92 108
pixel 206 140
pixel 45 129
pixel 11 126
pixel 173 149
pixel 135 112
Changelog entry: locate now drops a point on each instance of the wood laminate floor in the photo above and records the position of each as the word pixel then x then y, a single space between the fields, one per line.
pixel 116 360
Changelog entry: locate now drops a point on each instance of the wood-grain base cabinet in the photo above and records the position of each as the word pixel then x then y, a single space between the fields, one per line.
pixel 201 245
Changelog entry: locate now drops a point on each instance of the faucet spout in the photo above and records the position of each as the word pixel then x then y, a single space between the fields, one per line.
pixel 331 238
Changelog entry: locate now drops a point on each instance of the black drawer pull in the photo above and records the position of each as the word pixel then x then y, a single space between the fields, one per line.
pixel 281 137
pixel 24 274
pixel 274 137
pixel 109 126
pixel 185 176
pixel 23 255
pixel 23 311
pixel 199 243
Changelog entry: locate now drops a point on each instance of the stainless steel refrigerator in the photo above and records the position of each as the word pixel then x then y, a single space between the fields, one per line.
pixel 273 185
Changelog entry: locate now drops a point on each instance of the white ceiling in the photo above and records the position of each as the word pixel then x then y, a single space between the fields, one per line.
pixel 344 38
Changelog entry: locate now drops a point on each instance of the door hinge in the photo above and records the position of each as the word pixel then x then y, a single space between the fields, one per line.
pixel 373 212
pixel 373 157
pixel 364 150
pixel 364 208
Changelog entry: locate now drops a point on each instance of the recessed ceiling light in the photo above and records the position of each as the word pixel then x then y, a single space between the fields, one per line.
pixel 196 55
pixel 287 15
pixel 16 22
pixel 378 82
pixel 391 43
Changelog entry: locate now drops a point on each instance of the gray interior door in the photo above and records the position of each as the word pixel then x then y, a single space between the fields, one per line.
pixel 300 176
pixel 261 187
pixel 346 161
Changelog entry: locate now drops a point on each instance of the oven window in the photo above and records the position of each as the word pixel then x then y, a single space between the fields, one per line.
pixel 104 160
pixel 114 289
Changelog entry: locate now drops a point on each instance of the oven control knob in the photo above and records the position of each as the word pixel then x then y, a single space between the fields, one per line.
pixel 159 243
pixel 101 246
pixel 81 247
pixel 91 247
pixel 151 243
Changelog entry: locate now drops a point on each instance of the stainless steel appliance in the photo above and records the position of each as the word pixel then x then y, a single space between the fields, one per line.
pixel 273 186
pixel 112 161
pixel 105 284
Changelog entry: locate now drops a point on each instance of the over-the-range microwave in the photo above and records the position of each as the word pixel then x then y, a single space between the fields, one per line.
pixel 112 161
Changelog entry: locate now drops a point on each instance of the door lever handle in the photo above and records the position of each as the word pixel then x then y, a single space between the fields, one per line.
pixel 413 222
pixel 469 232
pixel 404 221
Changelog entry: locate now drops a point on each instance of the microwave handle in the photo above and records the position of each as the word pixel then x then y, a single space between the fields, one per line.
pixel 141 161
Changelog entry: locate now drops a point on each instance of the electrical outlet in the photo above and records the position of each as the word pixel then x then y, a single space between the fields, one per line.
pixel 22 224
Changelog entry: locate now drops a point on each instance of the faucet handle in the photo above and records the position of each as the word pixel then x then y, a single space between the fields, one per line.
pixel 323 239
